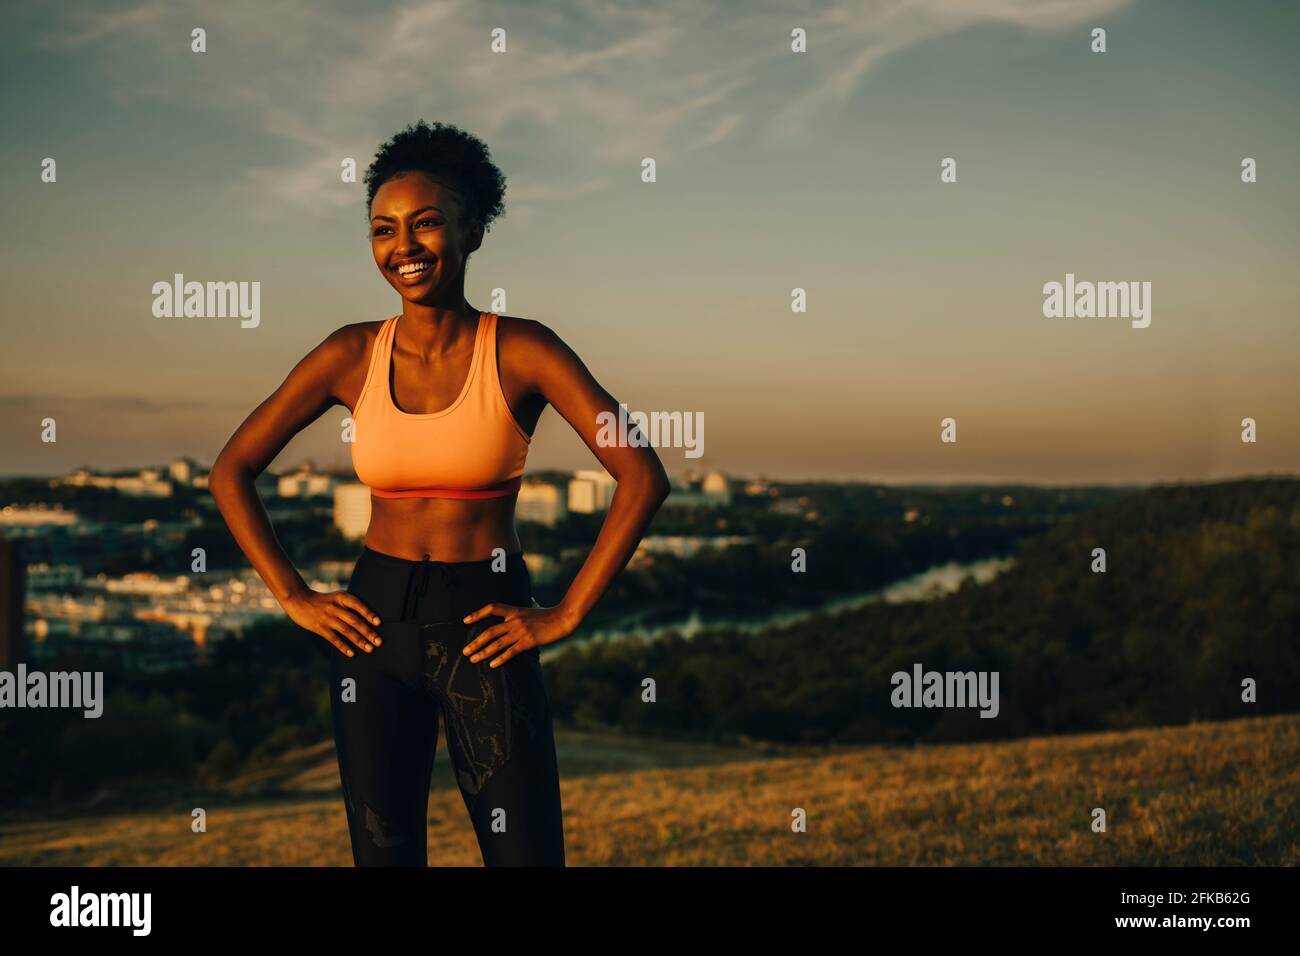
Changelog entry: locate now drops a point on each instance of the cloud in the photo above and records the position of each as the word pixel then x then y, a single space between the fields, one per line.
pixel 18 405
pixel 94 26
pixel 112 431
pixel 608 82
pixel 851 39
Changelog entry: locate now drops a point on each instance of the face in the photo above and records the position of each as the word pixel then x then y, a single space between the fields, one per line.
pixel 420 236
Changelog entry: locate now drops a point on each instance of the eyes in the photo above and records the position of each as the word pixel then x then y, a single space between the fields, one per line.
pixel 431 220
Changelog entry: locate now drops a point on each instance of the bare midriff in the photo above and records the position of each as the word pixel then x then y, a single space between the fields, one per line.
pixel 446 529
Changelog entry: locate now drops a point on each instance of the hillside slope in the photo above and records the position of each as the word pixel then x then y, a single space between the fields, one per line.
pixel 1202 794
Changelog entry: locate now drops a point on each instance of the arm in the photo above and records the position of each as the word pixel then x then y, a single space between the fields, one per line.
pixel 302 398
pixel 642 485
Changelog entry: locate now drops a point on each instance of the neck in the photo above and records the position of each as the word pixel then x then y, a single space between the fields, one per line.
pixel 430 329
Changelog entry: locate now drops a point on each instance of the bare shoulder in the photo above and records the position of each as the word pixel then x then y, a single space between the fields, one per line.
pixel 338 364
pixel 528 339
pixel 347 345
pixel 533 353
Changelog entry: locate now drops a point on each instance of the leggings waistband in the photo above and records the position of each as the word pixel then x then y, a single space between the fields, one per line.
pixel 449 572
pixel 483 563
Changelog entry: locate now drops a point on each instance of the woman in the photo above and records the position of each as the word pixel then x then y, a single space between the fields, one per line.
pixel 438 618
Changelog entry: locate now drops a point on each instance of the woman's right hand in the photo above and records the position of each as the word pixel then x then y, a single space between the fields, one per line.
pixel 337 616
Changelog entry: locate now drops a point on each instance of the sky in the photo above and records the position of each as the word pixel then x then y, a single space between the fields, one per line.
pixel 776 171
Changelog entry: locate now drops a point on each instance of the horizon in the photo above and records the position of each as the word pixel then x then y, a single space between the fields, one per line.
pixel 956 482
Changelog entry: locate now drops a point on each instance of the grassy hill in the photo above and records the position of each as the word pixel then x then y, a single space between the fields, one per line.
pixel 1223 793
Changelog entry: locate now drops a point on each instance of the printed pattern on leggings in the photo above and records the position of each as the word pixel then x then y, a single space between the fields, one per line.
pixel 479 711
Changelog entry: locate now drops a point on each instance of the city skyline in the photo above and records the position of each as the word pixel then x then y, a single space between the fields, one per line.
pixel 283 468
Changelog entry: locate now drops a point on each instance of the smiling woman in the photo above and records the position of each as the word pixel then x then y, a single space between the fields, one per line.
pixel 444 400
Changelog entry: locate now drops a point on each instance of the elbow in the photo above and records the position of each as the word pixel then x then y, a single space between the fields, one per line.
pixel 649 482
pixel 223 473
pixel 660 487
pixel 217 485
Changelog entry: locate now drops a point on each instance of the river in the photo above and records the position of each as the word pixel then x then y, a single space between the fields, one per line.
pixel 932 583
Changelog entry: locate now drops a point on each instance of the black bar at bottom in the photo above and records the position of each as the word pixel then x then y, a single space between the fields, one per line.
pixel 213 905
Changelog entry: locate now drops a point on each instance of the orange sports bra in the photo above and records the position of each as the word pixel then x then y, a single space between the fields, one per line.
pixel 473 448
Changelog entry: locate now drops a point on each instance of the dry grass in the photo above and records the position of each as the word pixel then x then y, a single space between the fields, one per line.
pixel 1203 794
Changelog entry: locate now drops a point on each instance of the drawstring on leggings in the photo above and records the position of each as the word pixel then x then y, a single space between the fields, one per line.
pixel 445 572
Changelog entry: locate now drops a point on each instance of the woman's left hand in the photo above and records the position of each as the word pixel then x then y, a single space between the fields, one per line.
pixel 523 629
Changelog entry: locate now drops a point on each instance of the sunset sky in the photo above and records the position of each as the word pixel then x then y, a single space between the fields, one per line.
pixel 776 170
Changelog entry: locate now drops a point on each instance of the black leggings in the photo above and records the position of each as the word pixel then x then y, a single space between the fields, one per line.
pixel 498 719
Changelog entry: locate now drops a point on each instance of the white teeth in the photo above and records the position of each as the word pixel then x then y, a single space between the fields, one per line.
pixel 412 268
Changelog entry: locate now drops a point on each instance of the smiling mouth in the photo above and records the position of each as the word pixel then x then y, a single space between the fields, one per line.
pixel 414 270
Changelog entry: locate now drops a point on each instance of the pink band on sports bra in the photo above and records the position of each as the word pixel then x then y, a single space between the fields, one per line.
pixel 492 491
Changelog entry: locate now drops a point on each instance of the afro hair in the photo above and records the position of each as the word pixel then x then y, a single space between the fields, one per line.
pixel 448 154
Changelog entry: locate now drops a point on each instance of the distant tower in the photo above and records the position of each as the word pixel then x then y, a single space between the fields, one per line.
pixel 181 470
pixel 13 594
pixel 541 501
pixel 591 490
pixel 352 509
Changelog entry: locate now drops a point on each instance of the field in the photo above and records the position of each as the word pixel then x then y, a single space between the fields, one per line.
pixel 1203 794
